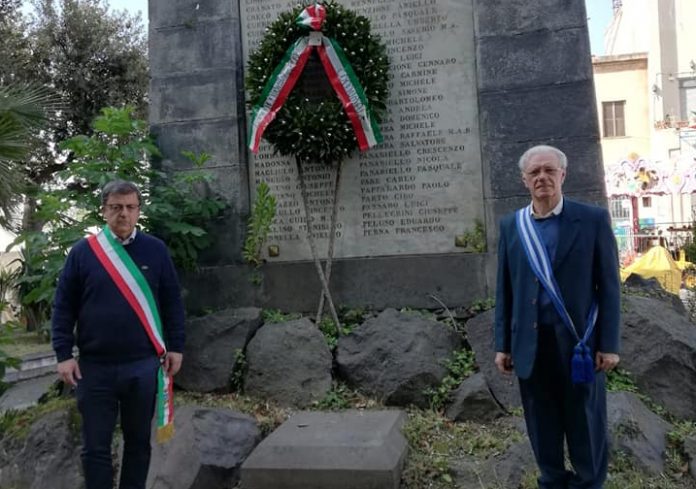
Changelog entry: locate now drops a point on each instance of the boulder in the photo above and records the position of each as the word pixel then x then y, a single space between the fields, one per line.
pixel 47 457
pixel 650 287
pixel 212 343
pixel 206 452
pixel 473 401
pixel 636 431
pixel 289 363
pixel 505 470
pixel 397 356
pixel 659 350
pixel 690 450
pixel 479 334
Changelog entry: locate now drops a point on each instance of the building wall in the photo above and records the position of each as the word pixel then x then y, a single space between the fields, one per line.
pixel 624 78
pixel 663 30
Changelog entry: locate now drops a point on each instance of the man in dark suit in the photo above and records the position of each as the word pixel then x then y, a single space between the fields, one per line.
pixel 535 340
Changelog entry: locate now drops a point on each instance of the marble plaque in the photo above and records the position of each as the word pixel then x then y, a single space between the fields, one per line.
pixel 423 186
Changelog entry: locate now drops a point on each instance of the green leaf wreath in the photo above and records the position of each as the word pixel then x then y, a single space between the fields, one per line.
pixel 319 131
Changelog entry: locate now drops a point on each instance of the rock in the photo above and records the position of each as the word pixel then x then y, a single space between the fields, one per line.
pixel 506 470
pixel 206 452
pixel 650 287
pixel 397 356
pixel 479 334
pixel 27 393
pixel 636 431
pixel 212 343
pixel 472 401
pixel 289 363
pixel 659 347
pixel 48 457
pixel 690 449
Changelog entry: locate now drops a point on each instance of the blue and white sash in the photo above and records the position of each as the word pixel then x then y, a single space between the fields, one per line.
pixel 582 366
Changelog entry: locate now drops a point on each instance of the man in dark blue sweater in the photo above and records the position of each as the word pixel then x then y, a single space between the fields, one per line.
pixel 118 359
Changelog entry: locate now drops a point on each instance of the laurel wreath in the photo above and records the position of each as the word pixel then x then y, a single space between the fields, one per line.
pixel 319 131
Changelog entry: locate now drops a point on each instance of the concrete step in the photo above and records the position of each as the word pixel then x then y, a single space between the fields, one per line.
pixel 33 365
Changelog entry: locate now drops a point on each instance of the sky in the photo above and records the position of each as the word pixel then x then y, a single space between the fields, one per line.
pixel 133 6
pixel 599 13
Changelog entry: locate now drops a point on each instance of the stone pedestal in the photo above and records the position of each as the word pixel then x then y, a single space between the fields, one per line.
pixel 347 450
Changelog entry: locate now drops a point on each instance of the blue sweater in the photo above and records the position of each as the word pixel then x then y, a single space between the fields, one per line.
pixel 108 329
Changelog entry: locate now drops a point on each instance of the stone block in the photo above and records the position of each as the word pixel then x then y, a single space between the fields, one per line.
pixel 509 17
pixel 346 450
pixel 206 45
pixel 194 96
pixel 585 170
pixel 219 138
pixel 545 113
pixel 164 13
pixel 533 59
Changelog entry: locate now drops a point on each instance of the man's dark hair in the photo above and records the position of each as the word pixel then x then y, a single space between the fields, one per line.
pixel 120 187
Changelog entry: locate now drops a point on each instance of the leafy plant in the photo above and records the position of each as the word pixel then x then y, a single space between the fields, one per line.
pixel 272 316
pixel 328 329
pixel 350 319
pixel 459 367
pixel 474 239
pixel 177 207
pixel 482 305
pixel 619 380
pixel 239 368
pixel 335 399
pixel 262 214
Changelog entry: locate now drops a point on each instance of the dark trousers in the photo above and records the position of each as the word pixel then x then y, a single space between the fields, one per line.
pixel 556 410
pixel 107 389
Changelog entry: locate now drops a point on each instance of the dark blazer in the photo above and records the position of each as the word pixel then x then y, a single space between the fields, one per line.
pixel 586 266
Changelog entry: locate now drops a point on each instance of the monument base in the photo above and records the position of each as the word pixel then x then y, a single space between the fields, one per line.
pixel 373 283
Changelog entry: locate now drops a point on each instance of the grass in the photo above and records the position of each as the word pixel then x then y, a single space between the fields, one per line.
pixel 23 343
pixel 16 424
pixel 434 441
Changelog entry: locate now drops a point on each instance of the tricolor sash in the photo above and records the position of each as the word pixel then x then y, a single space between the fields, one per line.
pixel 132 284
pixel 582 365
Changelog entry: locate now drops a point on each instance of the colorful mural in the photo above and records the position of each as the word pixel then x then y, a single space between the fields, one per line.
pixel 636 176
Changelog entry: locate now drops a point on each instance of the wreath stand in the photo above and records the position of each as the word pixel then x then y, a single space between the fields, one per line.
pixel 356 65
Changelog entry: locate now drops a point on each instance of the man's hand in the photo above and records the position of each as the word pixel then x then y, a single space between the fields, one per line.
pixel 69 371
pixel 172 362
pixel 606 361
pixel 504 362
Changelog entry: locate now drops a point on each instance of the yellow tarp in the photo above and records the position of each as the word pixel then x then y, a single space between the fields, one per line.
pixel 682 263
pixel 657 263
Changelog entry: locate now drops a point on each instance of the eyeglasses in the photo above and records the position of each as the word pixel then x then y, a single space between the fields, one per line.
pixel 538 171
pixel 116 208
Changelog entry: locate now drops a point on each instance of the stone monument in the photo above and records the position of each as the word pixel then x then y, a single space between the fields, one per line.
pixel 473 84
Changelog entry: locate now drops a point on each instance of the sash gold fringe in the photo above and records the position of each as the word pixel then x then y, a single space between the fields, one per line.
pixel 165 433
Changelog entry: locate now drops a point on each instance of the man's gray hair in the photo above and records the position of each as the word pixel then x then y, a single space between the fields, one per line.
pixel 120 187
pixel 542 148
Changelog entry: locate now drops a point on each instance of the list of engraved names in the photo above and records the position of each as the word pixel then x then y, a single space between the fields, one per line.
pixel 420 188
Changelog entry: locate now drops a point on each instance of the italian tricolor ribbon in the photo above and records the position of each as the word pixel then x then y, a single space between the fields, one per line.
pixel 134 287
pixel 339 71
